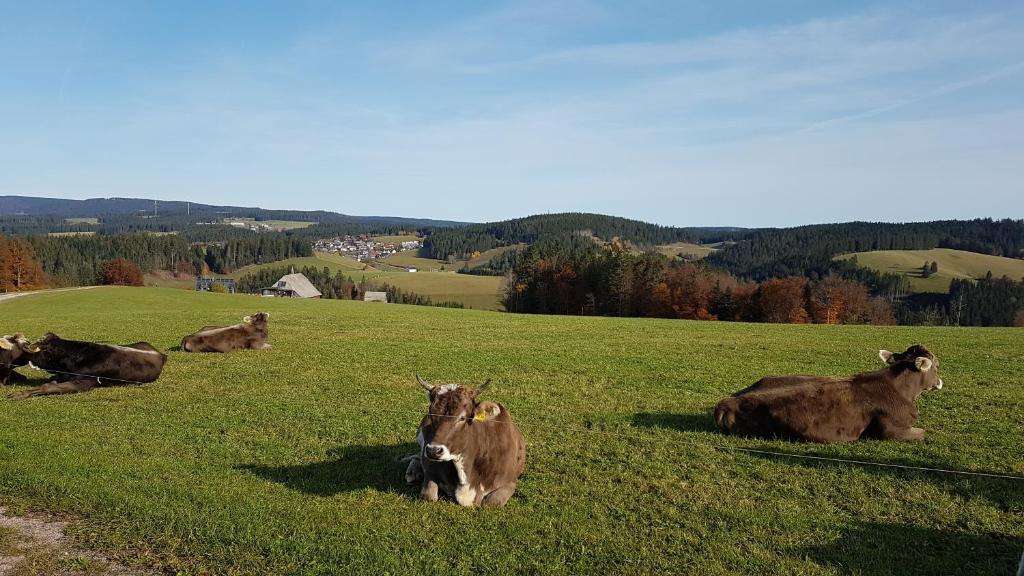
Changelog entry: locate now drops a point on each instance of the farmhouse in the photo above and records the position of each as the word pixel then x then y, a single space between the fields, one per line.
pixel 294 285
pixel 370 296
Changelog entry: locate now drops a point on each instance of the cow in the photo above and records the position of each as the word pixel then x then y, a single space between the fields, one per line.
pixel 80 366
pixel 251 333
pixel 15 351
pixel 772 382
pixel 470 451
pixel 868 405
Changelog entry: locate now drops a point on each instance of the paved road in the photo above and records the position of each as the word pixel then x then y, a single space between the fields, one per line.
pixel 12 295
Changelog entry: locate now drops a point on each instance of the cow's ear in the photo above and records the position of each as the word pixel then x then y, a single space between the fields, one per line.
pixel 247 319
pixel 5 344
pixel 266 315
pixel 923 364
pixel 486 411
pixel 886 356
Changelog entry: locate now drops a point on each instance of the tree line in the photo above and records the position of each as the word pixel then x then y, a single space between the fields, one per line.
pixel 611 281
pixel 458 242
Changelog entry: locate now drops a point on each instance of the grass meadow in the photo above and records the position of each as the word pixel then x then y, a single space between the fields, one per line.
pixel 283 461
pixel 952 264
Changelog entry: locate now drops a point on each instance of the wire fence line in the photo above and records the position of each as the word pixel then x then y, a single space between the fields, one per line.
pixel 639 435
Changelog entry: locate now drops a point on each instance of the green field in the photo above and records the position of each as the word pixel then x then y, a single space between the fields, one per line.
pixel 275 224
pixel 478 292
pixel 409 258
pixel 335 262
pixel 396 239
pixel 952 264
pixel 283 461
pixel 686 249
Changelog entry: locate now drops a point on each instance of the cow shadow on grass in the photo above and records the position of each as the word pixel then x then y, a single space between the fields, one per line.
pixel 1003 493
pixel 348 468
pixel 881 548
pixel 699 422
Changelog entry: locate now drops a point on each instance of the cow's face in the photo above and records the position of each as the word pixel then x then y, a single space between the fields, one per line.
pixel 258 319
pixel 452 420
pixel 919 359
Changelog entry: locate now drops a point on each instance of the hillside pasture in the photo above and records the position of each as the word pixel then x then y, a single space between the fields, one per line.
pixel 92 221
pixel 334 262
pixel 686 250
pixel 952 264
pixel 397 238
pixel 284 461
pixel 410 258
pixel 477 292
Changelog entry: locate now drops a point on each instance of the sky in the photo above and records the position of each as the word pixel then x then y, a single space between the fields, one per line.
pixel 726 113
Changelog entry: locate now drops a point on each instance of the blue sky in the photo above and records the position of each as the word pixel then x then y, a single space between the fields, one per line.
pixel 682 113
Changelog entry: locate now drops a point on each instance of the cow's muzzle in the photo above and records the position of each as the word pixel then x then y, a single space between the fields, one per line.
pixel 437 452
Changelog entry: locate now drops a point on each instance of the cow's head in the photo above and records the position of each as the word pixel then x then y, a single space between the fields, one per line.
pixel 916 359
pixel 259 319
pixel 454 418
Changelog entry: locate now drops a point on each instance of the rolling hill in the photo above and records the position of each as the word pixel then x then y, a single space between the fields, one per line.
pixel 952 264
pixel 284 461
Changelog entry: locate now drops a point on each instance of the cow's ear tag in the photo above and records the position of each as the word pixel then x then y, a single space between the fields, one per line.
pixel 37 349
pixel 480 416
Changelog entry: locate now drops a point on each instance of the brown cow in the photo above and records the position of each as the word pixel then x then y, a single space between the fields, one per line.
pixel 79 366
pixel 470 451
pixel 868 405
pixel 772 382
pixel 15 351
pixel 251 333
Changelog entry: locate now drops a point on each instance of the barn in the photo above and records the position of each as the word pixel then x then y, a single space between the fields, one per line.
pixel 370 296
pixel 294 285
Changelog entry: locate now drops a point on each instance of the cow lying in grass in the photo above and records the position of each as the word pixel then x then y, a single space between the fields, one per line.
pixel 869 405
pixel 80 366
pixel 14 352
pixel 251 333
pixel 470 451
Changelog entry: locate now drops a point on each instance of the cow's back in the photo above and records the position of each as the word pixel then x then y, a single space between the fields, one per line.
pixel 814 411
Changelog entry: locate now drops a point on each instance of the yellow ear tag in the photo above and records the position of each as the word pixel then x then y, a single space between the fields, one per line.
pixel 481 416
pixel 37 349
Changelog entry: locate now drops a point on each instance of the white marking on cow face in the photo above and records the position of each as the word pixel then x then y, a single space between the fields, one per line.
pixel 437 452
pixel 441 389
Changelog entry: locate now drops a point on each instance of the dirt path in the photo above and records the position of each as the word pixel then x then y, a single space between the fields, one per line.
pixel 13 295
pixel 35 545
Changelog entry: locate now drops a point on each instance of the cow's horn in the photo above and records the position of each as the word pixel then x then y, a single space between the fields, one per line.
pixel 483 386
pixel 423 383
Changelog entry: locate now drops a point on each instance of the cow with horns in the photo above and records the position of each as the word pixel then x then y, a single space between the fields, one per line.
pixel 80 366
pixel 470 451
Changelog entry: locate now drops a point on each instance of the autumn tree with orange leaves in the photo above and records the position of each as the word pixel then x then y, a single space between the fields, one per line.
pixel 19 269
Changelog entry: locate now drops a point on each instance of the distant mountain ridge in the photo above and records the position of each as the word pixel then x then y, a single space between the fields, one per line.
pixel 116 206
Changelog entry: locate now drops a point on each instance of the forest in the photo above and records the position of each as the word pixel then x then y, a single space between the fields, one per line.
pixel 464 240
pixel 576 279
pixel 808 250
